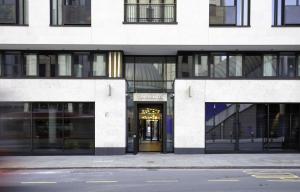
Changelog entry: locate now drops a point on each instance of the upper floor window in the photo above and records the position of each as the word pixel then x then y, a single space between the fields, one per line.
pixel 13 12
pixel 229 12
pixel 70 12
pixel 286 12
pixel 150 11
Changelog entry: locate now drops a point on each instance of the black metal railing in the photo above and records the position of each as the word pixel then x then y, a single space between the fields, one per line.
pixel 8 14
pixel 292 15
pixel 222 15
pixel 150 13
pixel 76 15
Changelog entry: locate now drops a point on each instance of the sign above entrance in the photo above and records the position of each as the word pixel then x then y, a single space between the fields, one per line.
pixel 154 97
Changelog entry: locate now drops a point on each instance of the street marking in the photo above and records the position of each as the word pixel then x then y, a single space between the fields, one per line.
pixel 101 181
pixel 275 176
pixel 223 180
pixel 162 181
pixel 285 180
pixel 38 182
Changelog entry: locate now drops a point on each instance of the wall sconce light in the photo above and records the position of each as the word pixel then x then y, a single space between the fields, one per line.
pixel 109 90
pixel 190 91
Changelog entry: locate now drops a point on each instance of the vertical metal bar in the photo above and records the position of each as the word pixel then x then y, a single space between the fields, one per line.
pixel 237 127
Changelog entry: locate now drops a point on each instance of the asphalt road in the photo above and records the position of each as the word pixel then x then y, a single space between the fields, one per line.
pixel 134 180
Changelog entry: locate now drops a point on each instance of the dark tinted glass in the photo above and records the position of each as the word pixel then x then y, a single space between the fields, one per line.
pixel 81 65
pixel 12 65
pixel 253 66
pixel 287 66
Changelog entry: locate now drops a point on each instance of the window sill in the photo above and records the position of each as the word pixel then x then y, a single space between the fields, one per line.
pixel 279 26
pixel 14 25
pixel 151 23
pixel 228 26
pixel 79 25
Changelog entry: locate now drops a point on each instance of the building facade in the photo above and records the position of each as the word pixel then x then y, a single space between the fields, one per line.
pixel 103 77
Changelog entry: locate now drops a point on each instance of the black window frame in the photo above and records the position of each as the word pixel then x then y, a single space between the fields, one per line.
pixel 242 16
pixel 280 22
pixel 138 16
pixel 67 25
pixel 25 11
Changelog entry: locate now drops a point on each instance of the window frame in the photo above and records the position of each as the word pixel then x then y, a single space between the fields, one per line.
pixel 242 16
pixel 275 13
pixel 25 16
pixel 66 25
pixel 125 21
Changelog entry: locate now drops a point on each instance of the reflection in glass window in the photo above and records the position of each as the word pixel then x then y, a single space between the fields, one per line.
pixel 298 65
pixel 185 66
pixel 270 65
pixel 12 65
pixel 218 68
pixel 286 12
pixel 15 127
pixel 64 64
pixel 235 66
pixel 200 65
pixel 287 66
pixel 229 12
pixel 14 12
pixel 31 65
pixel 253 66
pixel 70 12
pixel 81 65
pixel 99 65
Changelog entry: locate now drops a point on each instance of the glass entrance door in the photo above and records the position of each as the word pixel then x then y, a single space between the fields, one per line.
pixel 150 128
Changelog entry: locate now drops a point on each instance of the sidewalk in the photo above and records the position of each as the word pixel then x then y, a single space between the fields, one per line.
pixel 157 161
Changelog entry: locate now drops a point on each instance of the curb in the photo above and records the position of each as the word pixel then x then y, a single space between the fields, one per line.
pixel 154 167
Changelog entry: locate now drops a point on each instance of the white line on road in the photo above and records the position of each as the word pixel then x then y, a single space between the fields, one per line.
pixel 101 181
pixel 38 182
pixel 223 180
pixel 162 181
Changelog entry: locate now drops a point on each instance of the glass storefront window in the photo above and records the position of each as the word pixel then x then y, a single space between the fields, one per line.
pixel 270 65
pixel 15 127
pixel 48 128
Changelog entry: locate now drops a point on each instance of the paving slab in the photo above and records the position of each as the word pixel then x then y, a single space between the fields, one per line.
pixel 158 161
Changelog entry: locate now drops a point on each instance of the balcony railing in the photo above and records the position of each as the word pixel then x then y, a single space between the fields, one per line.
pixel 150 13
pixel 292 15
pixel 222 15
pixel 76 15
pixel 8 14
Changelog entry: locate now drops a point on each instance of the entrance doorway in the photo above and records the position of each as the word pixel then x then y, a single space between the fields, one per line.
pixel 150 123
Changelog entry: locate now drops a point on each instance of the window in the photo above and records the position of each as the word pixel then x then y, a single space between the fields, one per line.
pixel 298 58
pixel 99 65
pixel 115 64
pixel 253 66
pixel 286 12
pixel 47 65
pixel 70 12
pixel 218 67
pixel 81 65
pixel 270 66
pixel 150 11
pixel 12 65
pixel 150 73
pixel 64 65
pixel 13 12
pixel 235 65
pixel 229 12
pixel 193 65
pixel 287 66
pixel 30 65
pixel 200 65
